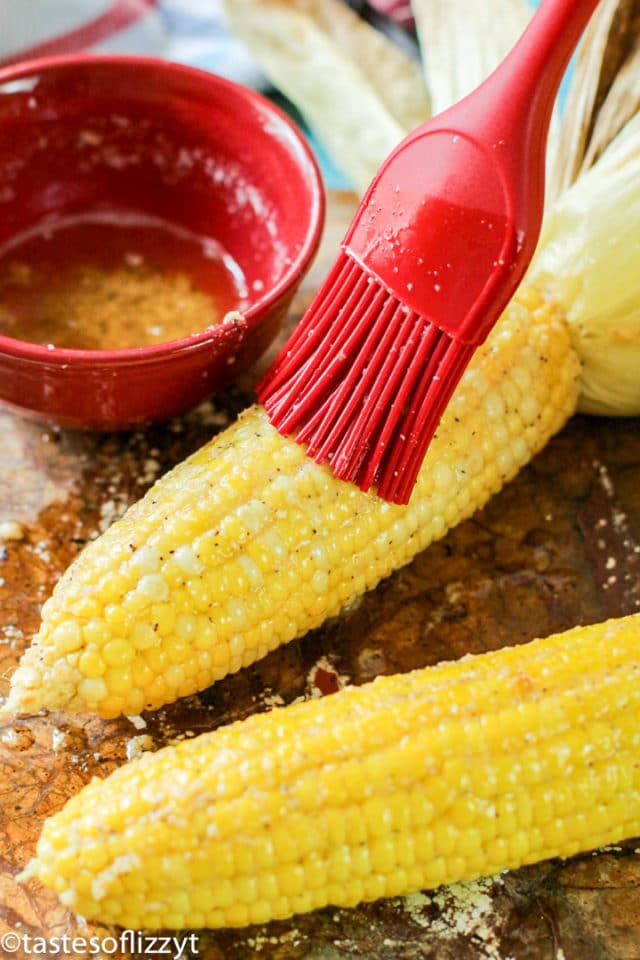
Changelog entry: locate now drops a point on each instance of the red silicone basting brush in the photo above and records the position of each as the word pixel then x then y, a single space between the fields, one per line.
pixel 436 250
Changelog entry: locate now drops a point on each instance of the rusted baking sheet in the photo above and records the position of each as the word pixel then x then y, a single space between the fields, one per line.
pixel 558 547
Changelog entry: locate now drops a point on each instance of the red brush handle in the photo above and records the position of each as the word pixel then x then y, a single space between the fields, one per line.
pixel 451 220
pixel 517 99
pixel 539 58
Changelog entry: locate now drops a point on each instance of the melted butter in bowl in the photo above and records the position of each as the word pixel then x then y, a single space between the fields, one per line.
pixel 113 280
pixel 130 191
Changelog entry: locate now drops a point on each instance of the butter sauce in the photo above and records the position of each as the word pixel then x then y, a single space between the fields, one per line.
pixel 114 279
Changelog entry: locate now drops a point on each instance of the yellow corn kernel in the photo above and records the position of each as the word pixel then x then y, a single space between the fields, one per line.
pixel 250 509
pixel 217 830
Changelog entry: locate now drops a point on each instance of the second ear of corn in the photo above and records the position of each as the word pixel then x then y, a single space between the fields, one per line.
pixel 249 543
pixel 409 782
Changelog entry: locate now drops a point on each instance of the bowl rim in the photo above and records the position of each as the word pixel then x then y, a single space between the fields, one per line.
pixel 299 148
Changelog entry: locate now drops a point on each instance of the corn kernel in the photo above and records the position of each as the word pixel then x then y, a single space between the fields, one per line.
pixel 68 637
pixel 91 663
pixel 93 690
pixel 118 653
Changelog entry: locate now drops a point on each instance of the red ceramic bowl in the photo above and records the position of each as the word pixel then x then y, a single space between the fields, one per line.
pixel 171 142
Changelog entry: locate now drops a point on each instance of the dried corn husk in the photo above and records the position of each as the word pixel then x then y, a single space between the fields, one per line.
pixel 359 92
pixel 604 92
pixel 589 240
pixel 463 42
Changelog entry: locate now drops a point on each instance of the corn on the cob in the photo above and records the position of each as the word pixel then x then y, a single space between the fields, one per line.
pixel 249 543
pixel 411 781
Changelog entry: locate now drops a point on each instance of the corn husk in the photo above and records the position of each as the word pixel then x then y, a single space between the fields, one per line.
pixel 604 92
pixel 358 91
pixel 590 239
pixel 463 42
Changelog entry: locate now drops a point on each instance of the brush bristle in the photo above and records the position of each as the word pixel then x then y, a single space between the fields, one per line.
pixel 363 382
